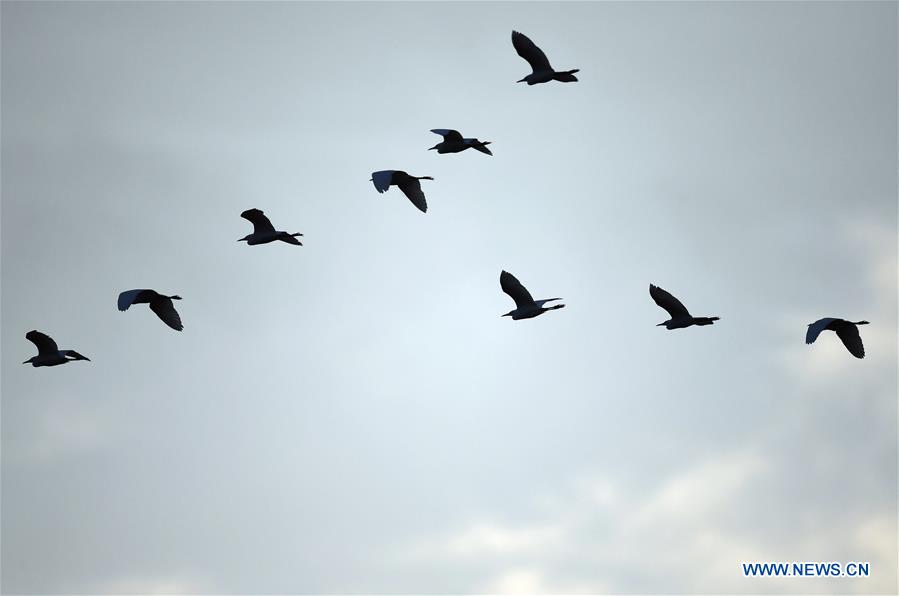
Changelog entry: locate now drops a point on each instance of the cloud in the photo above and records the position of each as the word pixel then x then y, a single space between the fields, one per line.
pixel 59 428
pixel 689 534
pixel 154 585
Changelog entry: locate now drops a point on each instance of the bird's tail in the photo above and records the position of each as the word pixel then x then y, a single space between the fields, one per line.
pixel 554 307
pixel 705 320
pixel 566 76
pixel 174 297
pixel 424 177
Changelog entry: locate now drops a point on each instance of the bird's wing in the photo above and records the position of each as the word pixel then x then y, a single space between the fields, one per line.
pixel 815 329
pixel 411 187
pixel 260 222
pixel 165 310
pixel 511 286
pixel 126 299
pixel 668 302
pixel 44 343
pixel 848 333
pixel 448 134
pixel 530 52
pixel 382 179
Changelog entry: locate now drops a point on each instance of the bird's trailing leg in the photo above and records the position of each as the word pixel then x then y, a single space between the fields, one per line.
pixel 705 320
pixel 566 76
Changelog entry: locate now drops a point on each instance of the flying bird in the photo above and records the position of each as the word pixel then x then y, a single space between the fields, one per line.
pixel 525 306
pixel 680 316
pixel 48 353
pixel 543 72
pixel 410 185
pixel 454 143
pixel 161 305
pixel 847 331
pixel 263 230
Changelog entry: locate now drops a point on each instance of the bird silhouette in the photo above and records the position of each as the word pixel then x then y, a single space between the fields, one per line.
pixel 263 230
pixel 680 316
pixel 48 353
pixel 160 304
pixel 847 331
pixel 543 72
pixel 454 143
pixel 410 185
pixel 525 306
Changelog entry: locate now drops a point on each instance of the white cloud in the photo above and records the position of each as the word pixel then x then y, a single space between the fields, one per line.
pixel 154 585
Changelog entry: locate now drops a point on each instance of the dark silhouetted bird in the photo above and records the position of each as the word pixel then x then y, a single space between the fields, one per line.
pixel 526 306
pixel 454 143
pixel 161 305
pixel 410 185
pixel 680 316
pixel 543 72
pixel 847 331
pixel 48 353
pixel 264 231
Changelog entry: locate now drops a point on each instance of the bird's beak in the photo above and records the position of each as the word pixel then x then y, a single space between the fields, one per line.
pixel 521 81
pixel 506 315
pixel 27 361
pixel 660 325
pixel 432 148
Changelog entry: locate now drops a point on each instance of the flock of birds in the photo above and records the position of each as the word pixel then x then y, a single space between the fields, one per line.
pixel 526 307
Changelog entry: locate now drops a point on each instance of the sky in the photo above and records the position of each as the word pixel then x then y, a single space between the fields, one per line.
pixel 354 415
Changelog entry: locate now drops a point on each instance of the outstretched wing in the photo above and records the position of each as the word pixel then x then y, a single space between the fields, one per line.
pixel 815 329
pixel 44 343
pixel 530 52
pixel 411 187
pixel 260 222
pixel 511 286
pixel 848 333
pixel 448 134
pixel 668 302
pixel 126 299
pixel 382 179
pixel 165 310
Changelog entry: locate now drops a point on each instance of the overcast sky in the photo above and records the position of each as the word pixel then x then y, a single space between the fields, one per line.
pixel 354 415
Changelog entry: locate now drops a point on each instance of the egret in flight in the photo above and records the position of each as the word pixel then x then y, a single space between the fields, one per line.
pixel 48 353
pixel 161 305
pixel 543 72
pixel 680 316
pixel 410 185
pixel 847 331
pixel 525 306
pixel 263 230
pixel 454 143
